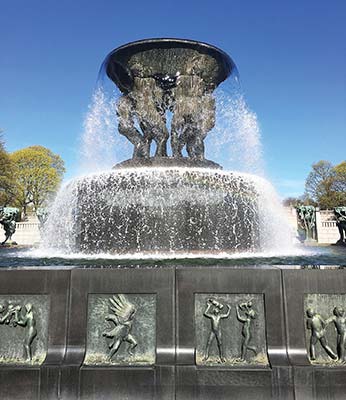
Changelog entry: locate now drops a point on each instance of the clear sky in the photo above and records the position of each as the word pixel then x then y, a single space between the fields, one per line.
pixel 291 56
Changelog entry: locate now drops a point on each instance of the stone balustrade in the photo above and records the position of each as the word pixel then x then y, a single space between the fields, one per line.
pixel 27 233
pixel 327 231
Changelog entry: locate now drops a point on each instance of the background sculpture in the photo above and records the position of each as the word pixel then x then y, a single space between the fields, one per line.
pixel 8 218
pixel 42 215
pixel 307 221
pixel 340 215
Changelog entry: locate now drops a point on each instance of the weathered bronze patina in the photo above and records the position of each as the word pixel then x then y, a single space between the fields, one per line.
pixel 121 329
pixel 340 215
pixel 326 328
pixel 8 216
pixel 23 329
pixel 307 221
pixel 235 332
pixel 157 76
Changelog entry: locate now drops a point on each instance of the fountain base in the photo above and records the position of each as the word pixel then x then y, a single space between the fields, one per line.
pixel 166 210
pixel 167 162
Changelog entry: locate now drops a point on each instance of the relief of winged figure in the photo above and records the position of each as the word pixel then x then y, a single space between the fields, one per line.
pixel 122 315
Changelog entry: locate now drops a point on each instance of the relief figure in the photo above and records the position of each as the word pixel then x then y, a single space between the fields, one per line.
pixel 339 321
pixel 318 325
pixel 26 320
pixel 214 313
pixel 122 315
pixel 7 312
pixel 246 315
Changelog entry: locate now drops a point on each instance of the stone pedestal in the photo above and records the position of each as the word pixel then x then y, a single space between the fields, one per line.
pixel 172 322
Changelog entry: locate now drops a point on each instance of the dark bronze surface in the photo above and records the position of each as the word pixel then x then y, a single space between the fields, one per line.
pixel 118 65
pixel 8 216
pixel 161 76
pixel 340 215
pixel 289 375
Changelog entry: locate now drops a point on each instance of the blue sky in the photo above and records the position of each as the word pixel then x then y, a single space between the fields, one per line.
pixel 291 56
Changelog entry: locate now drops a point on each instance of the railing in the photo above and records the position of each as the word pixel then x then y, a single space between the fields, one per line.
pixel 329 224
pixel 27 226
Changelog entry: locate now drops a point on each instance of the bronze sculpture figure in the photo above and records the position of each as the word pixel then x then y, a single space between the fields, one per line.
pixel 122 315
pixel 340 215
pixel 307 221
pixel 160 75
pixel 42 215
pixel 246 315
pixel 214 313
pixel 193 111
pixel 28 321
pixel 318 325
pixel 143 105
pixel 339 321
pixel 17 315
pixel 8 221
pixel 8 310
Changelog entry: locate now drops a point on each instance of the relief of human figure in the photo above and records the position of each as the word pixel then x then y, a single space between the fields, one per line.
pixel 28 321
pixel 4 311
pixel 7 312
pixel 318 325
pixel 246 315
pixel 214 313
pixel 339 321
pixel 122 315
pixel 142 108
pixel 193 112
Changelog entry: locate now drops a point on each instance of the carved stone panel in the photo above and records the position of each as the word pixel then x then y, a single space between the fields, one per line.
pixel 121 329
pixel 230 329
pixel 23 329
pixel 325 328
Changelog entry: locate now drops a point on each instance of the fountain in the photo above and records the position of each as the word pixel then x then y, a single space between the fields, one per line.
pixel 157 202
pixel 102 311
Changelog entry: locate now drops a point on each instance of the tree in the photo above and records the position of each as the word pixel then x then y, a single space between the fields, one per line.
pixel 292 201
pixel 340 183
pixel 8 187
pixel 39 173
pixel 326 184
pixel 340 177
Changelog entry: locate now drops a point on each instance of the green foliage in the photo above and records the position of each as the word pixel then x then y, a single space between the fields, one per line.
pixel 340 177
pixel 8 187
pixel 38 173
pixel 292 202
pixel 326 184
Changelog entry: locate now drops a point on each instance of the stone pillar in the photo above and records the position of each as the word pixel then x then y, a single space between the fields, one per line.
pixel 318 224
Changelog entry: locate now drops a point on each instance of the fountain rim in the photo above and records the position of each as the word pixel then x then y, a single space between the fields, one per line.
pixel 121 54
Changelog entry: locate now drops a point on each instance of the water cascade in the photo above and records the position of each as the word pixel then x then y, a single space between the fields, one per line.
pixel 168 198
pixel 170 274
